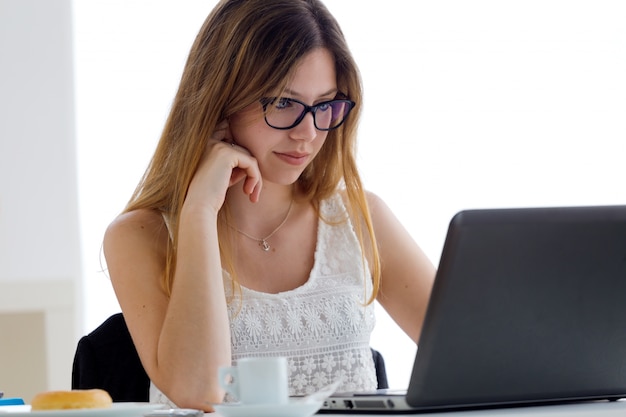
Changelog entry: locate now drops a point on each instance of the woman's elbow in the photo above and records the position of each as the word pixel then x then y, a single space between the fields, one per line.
pixel 202 398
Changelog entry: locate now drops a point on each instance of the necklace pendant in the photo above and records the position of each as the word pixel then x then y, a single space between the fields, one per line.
pixel 264 245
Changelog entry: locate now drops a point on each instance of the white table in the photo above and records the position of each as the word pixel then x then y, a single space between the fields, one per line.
pixel 585 409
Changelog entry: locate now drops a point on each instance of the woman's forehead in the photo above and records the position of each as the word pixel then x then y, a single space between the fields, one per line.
pixel 314 76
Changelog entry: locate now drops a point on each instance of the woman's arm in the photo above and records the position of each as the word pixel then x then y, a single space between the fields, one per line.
pixel 407 274
pixel 182 339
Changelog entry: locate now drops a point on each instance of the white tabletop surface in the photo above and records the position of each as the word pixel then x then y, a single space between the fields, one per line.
pixel 590 409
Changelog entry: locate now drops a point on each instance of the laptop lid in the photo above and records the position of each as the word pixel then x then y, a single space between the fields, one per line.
pixel 528 306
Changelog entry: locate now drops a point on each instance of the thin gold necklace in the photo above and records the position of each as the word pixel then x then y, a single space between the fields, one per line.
pixel 263 241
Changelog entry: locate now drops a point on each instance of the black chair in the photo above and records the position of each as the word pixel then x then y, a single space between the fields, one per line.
pixel 106 358
pixel 381 372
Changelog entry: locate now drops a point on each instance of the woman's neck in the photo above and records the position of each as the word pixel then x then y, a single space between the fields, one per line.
pixel 261 217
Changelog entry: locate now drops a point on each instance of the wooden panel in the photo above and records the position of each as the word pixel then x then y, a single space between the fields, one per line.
pixel 23 369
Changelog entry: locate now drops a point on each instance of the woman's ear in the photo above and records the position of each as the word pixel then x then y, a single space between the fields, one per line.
pixel 222 131
pixel 228 133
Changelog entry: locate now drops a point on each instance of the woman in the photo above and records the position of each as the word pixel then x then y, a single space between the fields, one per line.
pixel 250 233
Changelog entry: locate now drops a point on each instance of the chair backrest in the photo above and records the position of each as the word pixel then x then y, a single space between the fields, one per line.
pixel 381 371
pixel 106 358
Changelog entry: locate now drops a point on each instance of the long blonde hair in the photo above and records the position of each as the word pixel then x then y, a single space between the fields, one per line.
pixel 245 50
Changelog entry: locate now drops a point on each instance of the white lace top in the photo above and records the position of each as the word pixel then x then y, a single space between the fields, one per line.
pixel 322 327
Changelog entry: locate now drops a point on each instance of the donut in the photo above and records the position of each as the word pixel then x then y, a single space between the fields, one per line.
pixel 67 400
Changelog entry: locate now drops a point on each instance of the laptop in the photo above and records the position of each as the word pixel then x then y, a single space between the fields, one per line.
pixel 528 307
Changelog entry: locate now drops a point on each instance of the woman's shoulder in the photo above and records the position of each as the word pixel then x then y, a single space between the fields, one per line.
pixel 136 226
pixel 142 219
pixel 380 212
pixel 373 200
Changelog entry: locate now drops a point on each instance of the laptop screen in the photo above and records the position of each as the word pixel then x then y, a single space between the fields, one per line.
pixel 528 305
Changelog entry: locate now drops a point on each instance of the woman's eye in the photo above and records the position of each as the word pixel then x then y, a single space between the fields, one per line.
pixel 323 106
pixel 282 103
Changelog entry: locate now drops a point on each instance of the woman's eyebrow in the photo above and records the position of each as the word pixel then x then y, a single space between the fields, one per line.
pixel 296 94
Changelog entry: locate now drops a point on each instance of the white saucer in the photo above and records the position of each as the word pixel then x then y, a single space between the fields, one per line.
pixel 116 410
pixel 295 408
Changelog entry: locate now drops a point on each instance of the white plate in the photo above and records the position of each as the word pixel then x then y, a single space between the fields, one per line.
pixel 295 408
pixel 116 410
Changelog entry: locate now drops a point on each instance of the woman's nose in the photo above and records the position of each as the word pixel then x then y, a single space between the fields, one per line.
pixel 305 130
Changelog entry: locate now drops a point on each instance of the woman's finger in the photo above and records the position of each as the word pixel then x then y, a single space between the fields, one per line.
pixel 247 169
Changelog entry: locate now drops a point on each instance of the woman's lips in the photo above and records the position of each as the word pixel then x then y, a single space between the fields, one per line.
pixel 293 158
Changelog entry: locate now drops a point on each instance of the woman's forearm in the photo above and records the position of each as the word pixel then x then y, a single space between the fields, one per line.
pixel 195 338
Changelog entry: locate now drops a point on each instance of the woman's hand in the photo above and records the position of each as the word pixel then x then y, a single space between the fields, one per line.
pixel 223 164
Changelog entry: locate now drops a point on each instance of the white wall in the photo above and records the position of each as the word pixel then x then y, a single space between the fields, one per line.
pixel 40 266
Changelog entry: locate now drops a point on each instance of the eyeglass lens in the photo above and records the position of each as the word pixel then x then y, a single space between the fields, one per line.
pixel 285 113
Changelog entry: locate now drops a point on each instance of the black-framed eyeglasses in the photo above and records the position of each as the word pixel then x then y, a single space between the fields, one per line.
pixel 285 113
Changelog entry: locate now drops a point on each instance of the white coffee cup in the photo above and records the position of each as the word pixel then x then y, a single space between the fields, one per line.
pixel 257 380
